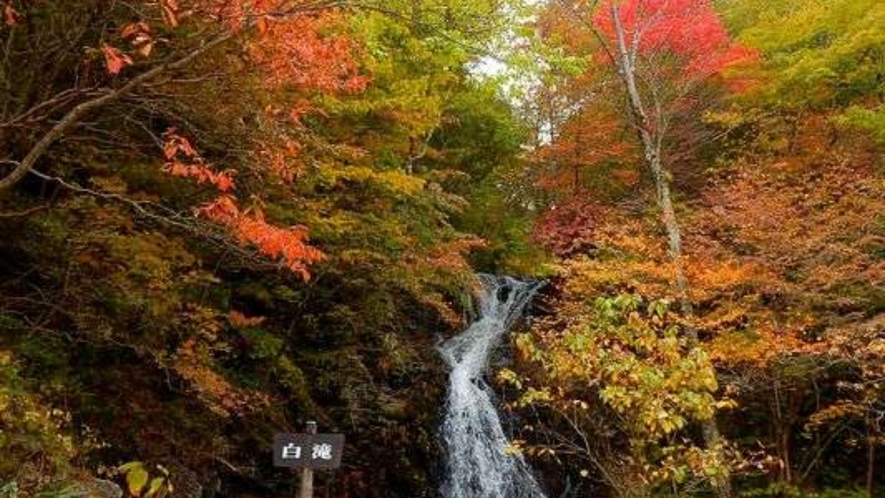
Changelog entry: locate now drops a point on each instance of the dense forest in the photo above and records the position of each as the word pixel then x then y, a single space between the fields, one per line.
pixel 222 219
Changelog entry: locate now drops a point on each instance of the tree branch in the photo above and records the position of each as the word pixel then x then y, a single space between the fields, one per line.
pixel 26 212
pixel 81 110
pixel 149 210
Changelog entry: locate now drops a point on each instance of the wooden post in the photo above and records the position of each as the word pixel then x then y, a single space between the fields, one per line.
pixel 306 490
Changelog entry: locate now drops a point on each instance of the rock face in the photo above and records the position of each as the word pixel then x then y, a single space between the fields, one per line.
pixel 186 484
pixel 95 488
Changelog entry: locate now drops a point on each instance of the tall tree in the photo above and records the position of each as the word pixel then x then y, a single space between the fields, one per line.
pixel 663 55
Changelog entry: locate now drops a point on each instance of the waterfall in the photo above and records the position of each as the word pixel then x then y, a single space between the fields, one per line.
pixel 476 462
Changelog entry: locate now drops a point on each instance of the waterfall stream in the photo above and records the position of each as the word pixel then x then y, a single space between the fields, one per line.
pixel 476 463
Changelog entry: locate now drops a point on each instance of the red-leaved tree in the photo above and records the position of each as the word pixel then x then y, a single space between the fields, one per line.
pixel 295 46
pixel 661 58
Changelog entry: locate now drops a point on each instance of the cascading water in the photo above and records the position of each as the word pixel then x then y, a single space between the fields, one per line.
pixel 477 464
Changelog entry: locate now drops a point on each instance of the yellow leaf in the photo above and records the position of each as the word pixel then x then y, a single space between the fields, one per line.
pixel 136 479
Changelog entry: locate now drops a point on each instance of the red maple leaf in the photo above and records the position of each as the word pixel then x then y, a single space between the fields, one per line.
pixel 115 59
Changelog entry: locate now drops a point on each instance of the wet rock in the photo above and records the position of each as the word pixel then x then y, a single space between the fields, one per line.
pixel 95 488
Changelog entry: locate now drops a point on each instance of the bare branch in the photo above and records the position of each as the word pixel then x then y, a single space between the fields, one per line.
pixel 81 110
pixel 26 212
pixel 167 216
pixel 589 24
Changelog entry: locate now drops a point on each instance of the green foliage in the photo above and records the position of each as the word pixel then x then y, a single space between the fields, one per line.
pixel 35 441
pixel 626 357
pixel 871 120
pixel 816 52
pixel 140 483
pixel 485 142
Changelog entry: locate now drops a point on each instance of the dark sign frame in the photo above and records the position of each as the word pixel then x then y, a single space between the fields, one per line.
pixel 308 451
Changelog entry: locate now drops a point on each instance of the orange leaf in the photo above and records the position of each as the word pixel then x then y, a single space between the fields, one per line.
pixel 170 12
pixel 262 25
pixel 135 28
pixel 10 15
pixel 115 59
pixel 241 321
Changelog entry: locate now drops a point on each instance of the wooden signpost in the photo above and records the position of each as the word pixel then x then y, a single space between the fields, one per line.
pixel 308 451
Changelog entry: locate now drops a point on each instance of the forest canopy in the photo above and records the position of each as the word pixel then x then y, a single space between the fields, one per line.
pixel 224 218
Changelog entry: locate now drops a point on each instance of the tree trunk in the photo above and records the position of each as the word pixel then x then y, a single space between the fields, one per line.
pixel 651 143
pixel 782 435
pixel 871 454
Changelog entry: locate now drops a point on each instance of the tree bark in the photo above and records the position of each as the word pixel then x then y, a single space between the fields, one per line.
pixel 871 455
pixel 651 143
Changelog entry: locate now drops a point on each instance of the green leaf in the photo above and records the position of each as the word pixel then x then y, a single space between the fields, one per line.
pixel 136 479
pixel 127 467
pixel 156 485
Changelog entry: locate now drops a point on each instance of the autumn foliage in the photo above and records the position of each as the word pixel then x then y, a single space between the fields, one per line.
pixel 245 214
pixel 222 218
pixel 686 39
pixel 780 253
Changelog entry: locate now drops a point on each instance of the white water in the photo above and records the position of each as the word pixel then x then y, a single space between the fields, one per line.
pixel 476 463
